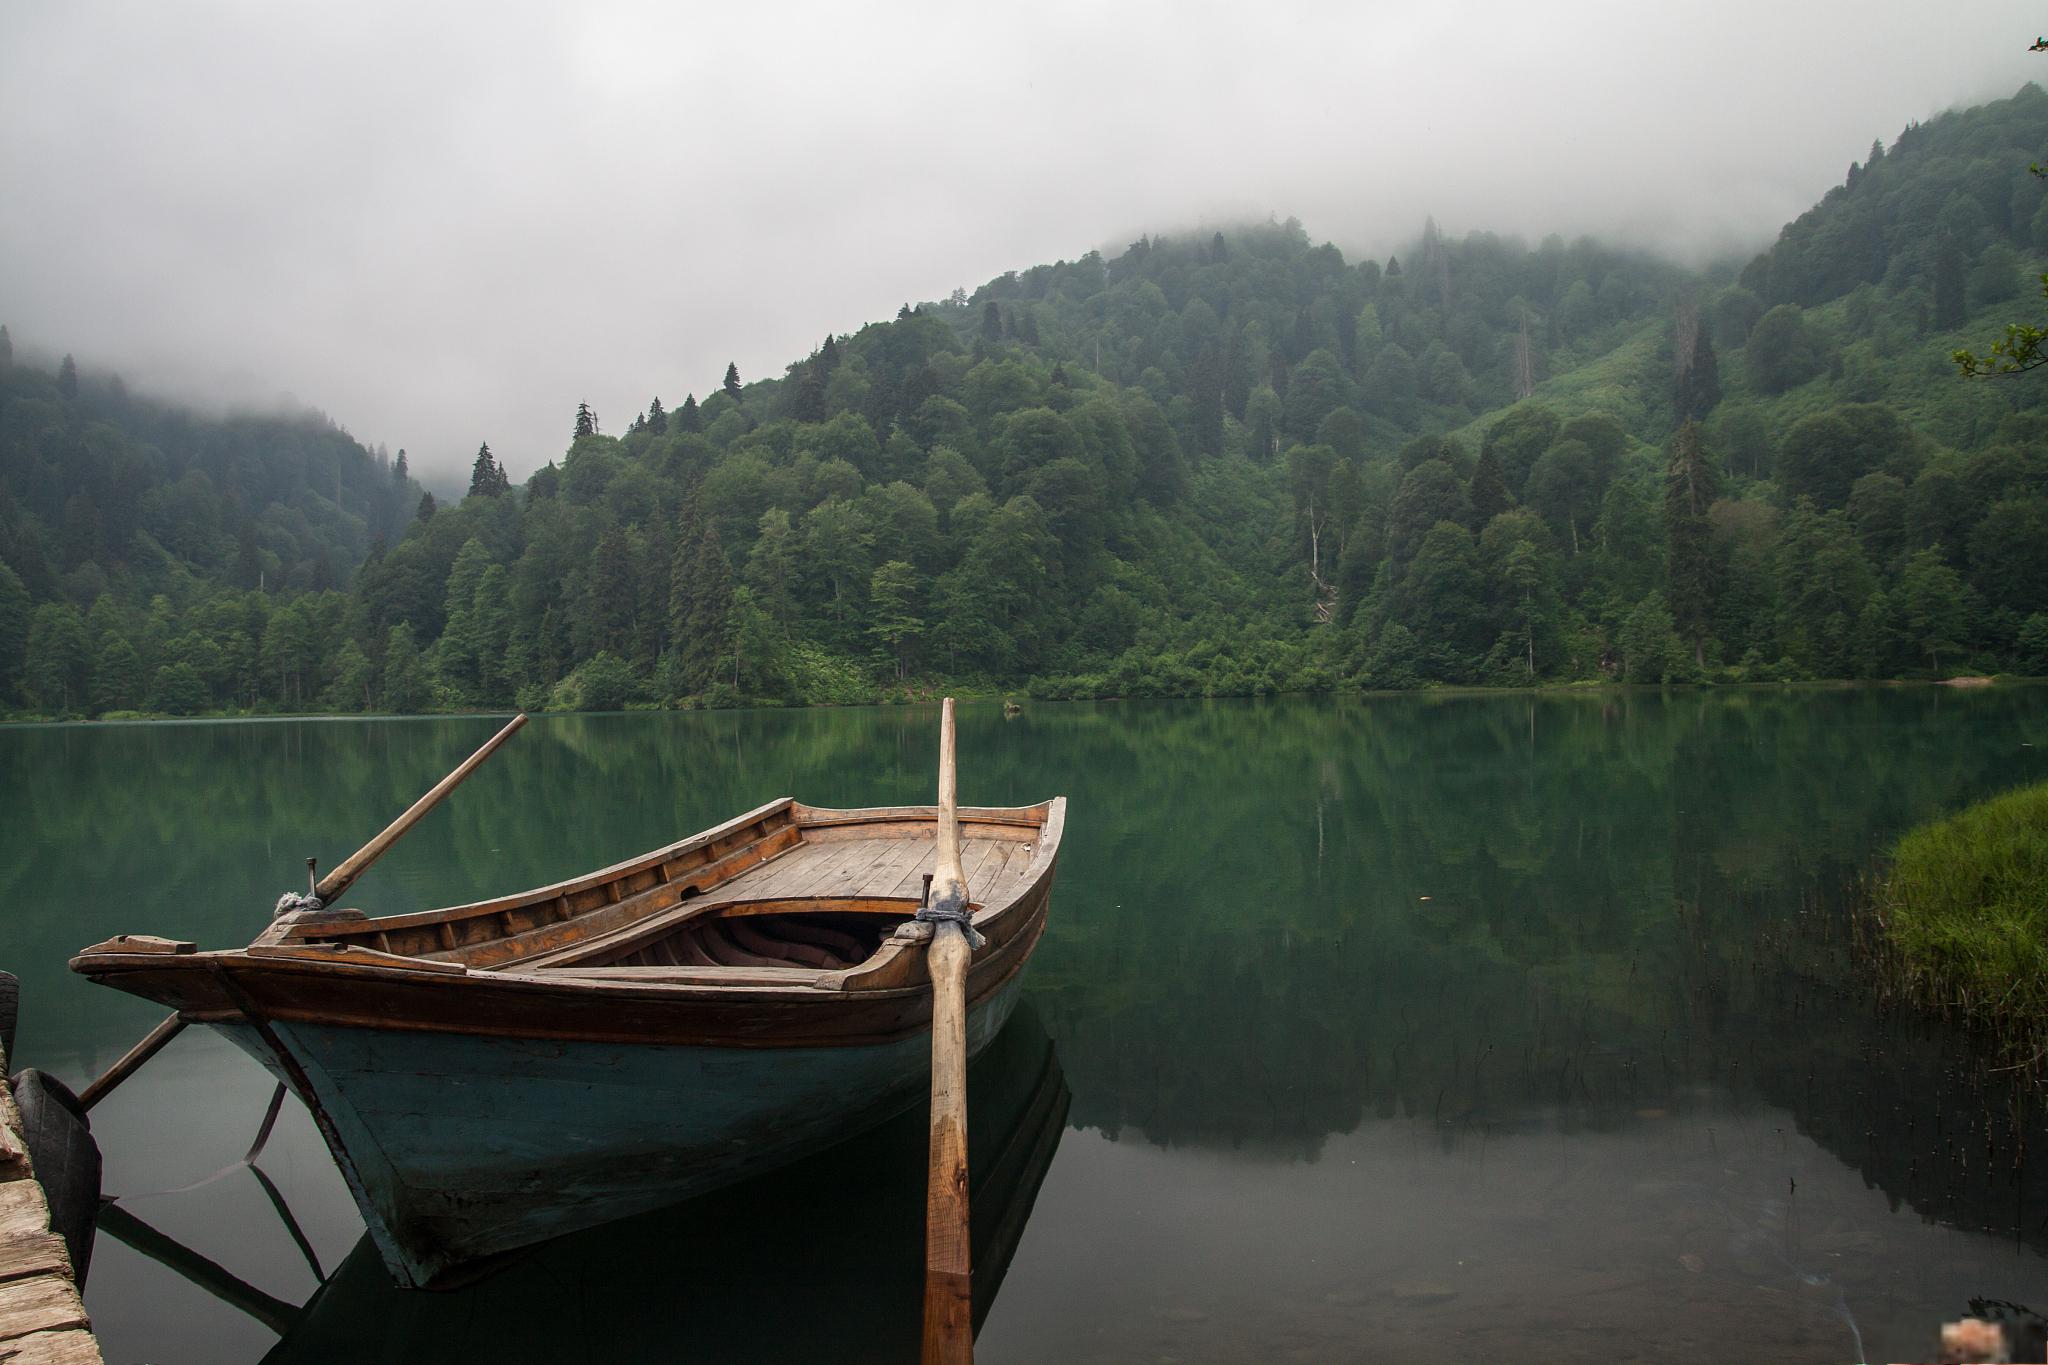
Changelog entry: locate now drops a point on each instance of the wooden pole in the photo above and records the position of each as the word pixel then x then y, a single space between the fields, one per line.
pixel 131 1061
pixel 948 1269
pixel 341 878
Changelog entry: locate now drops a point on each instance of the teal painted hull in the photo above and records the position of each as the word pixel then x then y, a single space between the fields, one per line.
pixel 458 1146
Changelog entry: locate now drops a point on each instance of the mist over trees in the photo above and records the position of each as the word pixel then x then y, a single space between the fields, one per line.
pixel 1230 461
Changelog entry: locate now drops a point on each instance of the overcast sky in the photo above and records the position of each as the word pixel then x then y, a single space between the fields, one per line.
pixel 449 223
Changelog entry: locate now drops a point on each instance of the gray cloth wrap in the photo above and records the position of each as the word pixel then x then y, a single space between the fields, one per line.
pixel 291 901
pixel 952 910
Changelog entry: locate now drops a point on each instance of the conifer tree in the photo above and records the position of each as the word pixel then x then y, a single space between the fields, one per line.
pixel 426 507
pixel 399 470
pixel 67 377
pixel 707 642
pixel 903 313
pixel 1218 252
pixel 732 380
pixel 586 422
pixel 828 357
pixel 6 346
pixel 1948 283
pixel 657 419
pixel 486 479
pixel 1690 485
pixel 687 417
pixel 809 403
pixel 1059 375
pixel 992 322
pixel 1488 491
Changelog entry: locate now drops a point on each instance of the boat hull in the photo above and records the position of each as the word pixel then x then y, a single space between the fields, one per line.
pixel 458 1146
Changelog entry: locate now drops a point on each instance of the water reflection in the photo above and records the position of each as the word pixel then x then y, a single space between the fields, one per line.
pixel 822 1261
pixel 1488 948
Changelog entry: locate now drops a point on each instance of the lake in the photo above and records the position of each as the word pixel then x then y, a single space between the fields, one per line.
pixel 1364 1029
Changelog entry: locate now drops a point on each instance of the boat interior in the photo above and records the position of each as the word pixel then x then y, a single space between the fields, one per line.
pixel 784 887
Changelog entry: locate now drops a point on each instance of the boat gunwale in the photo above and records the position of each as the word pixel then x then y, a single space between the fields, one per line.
pixel 894 974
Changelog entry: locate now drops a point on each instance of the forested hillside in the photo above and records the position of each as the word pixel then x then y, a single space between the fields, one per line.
pixel 1227 461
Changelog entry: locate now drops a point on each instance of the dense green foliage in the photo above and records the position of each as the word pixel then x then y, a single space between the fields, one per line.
pixel 1965 908
pixel 1232 463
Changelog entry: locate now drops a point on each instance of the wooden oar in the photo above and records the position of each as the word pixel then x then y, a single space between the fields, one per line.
pixel 341 878
pixel 328 889
pixel 948 1277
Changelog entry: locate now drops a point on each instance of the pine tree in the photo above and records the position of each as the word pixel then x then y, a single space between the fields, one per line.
pixel 1488 491
pixel 1698 384
pixel 67 377
pixel 486 479
pixel 828 357
pixel 1059 375
pixel 657 420
pixel 707 643
pixel 809 403
pixel 426 507
pixel 1689 488
pixel 399 470
pixel 586 422
pixel 991 322
pixel 1218 252
pixel 1205 396
pixel 687 416
pixel 732 380
pixel 1027 327
pixel 903 313
pixel 1948 283
pixel 6 346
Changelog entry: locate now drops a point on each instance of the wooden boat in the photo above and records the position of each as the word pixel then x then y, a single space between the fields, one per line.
pixel 687 1283
pixel 492 1075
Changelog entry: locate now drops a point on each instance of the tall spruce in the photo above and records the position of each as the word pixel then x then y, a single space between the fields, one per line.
pixel 6 346
pixel 486 478
pixel 657 419
pixel 400 472
pixel 1948 283
pixel 687 417
pixel 67 377
pixel 1690 485
pixel 732 380
pixel 809 403
pixel 1488 491
pixel 586 422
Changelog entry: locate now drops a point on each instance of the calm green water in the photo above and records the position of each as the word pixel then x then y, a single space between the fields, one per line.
pixel 1479 1027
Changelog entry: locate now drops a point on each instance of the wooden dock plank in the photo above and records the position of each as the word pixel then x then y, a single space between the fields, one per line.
pixel 74 1346
pixel 42 1321
pixel 39 1253
pixel 45 1303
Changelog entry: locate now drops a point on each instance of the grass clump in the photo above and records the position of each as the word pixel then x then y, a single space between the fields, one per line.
pixel 1965 912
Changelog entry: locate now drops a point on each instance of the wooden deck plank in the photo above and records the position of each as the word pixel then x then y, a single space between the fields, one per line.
pixel 74 1346
pixel 897 857
pixel 40 1253
pixel 41 1318
pixel 983 882
pixel 829 875
pixel 775 879
pixel 43 1303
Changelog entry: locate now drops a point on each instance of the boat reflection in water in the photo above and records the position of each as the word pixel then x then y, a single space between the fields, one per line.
pixel 821 1260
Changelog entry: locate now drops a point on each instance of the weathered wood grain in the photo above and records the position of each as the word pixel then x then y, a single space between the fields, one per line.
pixel 44 1303
pixel 72 1347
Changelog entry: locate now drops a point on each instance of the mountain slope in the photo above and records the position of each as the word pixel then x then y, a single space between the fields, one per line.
pixel 1235 462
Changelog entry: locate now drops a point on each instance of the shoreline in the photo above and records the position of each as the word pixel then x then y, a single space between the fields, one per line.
pixel 1968 682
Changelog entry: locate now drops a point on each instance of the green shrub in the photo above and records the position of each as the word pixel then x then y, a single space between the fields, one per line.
pixel 1965 908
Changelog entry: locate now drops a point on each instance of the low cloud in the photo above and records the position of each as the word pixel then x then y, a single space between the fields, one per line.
pixel 450 226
